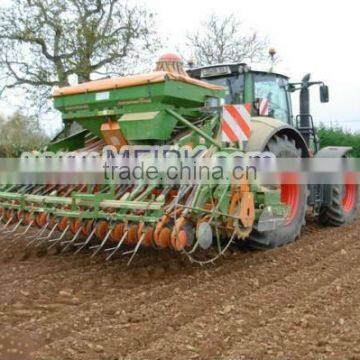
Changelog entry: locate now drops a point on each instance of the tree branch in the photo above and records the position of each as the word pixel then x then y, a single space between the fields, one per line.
pixel 45 41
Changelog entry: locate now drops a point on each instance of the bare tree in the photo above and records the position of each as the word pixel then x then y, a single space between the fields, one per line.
pixel 223 40
pixel 43 42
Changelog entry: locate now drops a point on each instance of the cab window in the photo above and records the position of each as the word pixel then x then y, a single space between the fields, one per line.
pixel 234 86
pixel 273 88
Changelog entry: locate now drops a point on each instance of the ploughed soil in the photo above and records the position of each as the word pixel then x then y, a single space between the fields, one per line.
pixel 300 301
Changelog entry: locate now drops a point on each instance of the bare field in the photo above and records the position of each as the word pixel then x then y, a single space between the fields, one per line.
pixel 300 301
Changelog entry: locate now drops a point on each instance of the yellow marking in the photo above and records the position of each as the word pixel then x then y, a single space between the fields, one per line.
pixel 139 116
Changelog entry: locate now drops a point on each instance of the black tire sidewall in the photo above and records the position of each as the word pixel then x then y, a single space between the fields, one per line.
pixel 287 233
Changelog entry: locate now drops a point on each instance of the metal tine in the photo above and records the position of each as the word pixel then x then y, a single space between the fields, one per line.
pixel 15 227
pixel 14 237
pixel 26 230
pixel 99 247
pixel 83 244
pixel 69 243
pixel 69 191
pixel 41 239
pixel 39 233
pixel 117 247
pixel 182 192
pixel 137 191
pixel 165 191
pixel 136 249
pixel 50 190
pixel 38 190
pixel 36 238
pixel 122 191
pixel 28 189
pixel 56 241
pixel 8 223
pixel 4 226
pixel 50 233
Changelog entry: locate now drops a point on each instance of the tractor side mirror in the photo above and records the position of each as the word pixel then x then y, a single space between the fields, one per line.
pixel 324 93
pixel 291 88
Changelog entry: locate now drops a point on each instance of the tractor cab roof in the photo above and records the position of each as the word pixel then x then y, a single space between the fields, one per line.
pixel 221 70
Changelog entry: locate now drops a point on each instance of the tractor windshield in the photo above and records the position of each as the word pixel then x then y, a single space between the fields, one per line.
pixel 273 88
pixel 234 86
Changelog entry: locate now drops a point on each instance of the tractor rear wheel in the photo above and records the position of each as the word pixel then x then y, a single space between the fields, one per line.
pixel 294 195
pixel 343 207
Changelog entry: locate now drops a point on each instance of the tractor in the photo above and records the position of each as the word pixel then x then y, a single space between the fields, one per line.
pixel 276 129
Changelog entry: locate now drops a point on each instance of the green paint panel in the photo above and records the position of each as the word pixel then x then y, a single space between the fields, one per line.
pixel 157 125
pixel 134 99
pixel 70 143
pixel 131 107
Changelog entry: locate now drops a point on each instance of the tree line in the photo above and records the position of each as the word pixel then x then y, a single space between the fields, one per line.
pixel 337 136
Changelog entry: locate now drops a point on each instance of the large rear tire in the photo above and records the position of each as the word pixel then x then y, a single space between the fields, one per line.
pixel 344 205
pixel 294 195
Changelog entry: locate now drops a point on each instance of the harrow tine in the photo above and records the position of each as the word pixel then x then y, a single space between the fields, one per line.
pixel 87 241
pixel 38 190
pixel 40 239
pixel 36 238
pixel 14 238
pixel 26 230
pixel 50 233
pixel 136 249
pixel 56 241
pixel 99 247
pixel 117 247
pixel 72 241
pixel 182 192
pixel 15 228
pixel 39 233
pixel 8 223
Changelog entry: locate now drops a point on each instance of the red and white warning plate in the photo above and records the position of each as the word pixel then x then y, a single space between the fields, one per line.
pixel 235 125
pixel 264 107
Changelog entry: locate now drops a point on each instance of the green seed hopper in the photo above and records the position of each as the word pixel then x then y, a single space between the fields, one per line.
pixel 140 104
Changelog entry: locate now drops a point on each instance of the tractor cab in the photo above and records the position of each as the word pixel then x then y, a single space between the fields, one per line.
pixel 267 92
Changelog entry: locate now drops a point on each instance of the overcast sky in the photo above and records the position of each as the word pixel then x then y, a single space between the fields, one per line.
pixel 316 36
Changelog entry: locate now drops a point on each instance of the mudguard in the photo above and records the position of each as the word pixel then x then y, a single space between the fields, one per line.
pixel 333 152
pixel 264 128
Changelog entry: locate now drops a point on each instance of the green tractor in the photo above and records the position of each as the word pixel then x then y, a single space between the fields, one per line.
pixel 276 129
pixel 224 109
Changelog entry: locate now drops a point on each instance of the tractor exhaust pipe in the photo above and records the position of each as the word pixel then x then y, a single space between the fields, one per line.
pixel 305 122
